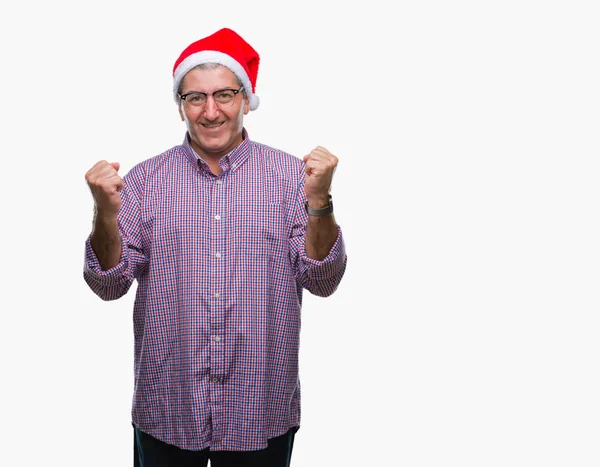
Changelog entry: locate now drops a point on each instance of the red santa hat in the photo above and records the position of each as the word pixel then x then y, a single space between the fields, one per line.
pixel 226 48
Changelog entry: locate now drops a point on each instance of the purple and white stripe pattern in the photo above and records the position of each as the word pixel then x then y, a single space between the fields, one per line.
pixel 220 266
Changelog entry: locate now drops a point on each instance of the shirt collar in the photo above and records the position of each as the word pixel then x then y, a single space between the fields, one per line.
pixel 230 161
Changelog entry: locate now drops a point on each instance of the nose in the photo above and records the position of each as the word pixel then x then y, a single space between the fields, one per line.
pixel 211 110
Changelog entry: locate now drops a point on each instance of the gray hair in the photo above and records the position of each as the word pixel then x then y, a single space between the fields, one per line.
pixel 212 66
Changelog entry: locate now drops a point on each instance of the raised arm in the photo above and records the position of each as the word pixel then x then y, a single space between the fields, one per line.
pixel 321 230
pixel 114 252
pixel 106 184
pixel 317 250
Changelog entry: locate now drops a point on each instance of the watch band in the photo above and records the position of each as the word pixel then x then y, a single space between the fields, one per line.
pixel 319 212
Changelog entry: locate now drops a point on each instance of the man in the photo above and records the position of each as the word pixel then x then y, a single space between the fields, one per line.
pixel 222 235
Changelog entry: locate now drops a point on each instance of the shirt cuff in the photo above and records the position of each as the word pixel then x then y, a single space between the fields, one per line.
pixel 94 272
pixel 330 265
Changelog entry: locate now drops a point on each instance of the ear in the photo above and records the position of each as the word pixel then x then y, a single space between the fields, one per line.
pixel 246 105
pixel 180 108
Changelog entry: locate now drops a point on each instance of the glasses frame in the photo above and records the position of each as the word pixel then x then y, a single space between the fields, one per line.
pixel 184 97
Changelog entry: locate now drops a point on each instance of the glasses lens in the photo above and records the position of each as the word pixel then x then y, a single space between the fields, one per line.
pixel 224 97
pixel 196 99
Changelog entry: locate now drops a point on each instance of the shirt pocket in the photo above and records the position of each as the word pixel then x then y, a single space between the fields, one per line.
pixel 261 230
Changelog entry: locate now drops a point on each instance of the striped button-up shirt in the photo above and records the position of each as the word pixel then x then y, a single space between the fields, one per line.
pixel 220 264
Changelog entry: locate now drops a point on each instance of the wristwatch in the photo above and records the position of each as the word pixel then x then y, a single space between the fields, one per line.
pixel 319 212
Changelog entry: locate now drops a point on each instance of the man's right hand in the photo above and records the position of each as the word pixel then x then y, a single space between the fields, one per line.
pixel 105 184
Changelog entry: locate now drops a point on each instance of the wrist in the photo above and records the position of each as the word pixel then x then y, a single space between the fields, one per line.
pixel 106 216
pixel 107 223
pixel 319 201
pixel 318 207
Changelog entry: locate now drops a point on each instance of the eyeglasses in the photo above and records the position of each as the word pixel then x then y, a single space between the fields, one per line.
pixel 222 97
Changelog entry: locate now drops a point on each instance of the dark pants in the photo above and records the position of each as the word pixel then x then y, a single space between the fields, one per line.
pixel 150 452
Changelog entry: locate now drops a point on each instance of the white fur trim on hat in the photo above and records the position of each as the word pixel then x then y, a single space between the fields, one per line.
pixel 213 56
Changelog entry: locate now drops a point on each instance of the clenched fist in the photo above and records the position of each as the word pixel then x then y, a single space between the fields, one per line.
pixel 320 166
pixel 105 183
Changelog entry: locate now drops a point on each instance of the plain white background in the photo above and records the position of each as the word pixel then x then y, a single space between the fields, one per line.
pixel 465 332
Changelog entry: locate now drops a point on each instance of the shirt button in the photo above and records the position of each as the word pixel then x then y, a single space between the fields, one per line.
pixel 217 217
pixel 217 255
pixel 217 339
pixel 219 181
pixel 217 295
pixel 215 380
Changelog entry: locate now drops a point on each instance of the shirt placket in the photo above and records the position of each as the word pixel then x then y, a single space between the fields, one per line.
pixel 219 221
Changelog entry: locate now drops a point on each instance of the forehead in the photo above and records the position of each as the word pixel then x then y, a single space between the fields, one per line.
pixel 208 79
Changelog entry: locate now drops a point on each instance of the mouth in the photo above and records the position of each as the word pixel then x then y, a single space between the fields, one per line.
pixel 212 125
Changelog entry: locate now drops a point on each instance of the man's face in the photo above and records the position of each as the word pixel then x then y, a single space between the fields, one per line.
pixel 214 129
